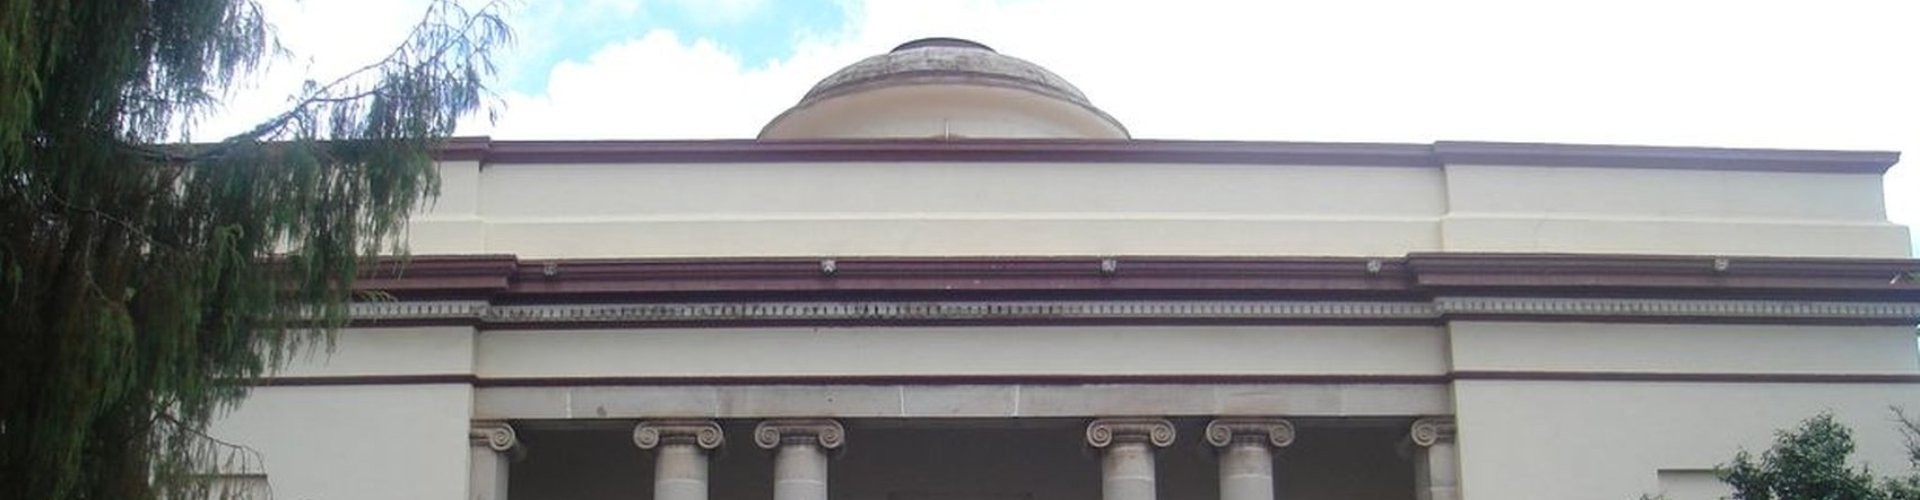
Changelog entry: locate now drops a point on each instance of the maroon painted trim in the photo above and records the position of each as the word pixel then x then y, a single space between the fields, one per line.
pixel 1664 275
pixel 1680 320
pixel 1723 378
pixel 440 276
pixel 463 149
pixel 1085 322
pixel 1165 151
pixel 939 380
pixel 408 323
pixel 972 150
pixel 1051 275
pixel 936 380
pixel 424 379
pixel 1661 157
pixel 1418 276
pixel 955 323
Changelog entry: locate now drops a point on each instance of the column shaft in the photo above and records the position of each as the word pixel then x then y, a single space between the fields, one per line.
pixel 800 455
pixel 1246 471
pixel 800 472
pixel 680 473
pixel 1126 472
pixel 680 455
pixel 1246 447
pixel 487 480
pixel 1437 472
pixel 1436 461
pixel 491 445
pixel 1126 460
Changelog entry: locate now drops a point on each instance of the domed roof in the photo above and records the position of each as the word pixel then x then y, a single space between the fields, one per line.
pixel 930 60
pixel 913 90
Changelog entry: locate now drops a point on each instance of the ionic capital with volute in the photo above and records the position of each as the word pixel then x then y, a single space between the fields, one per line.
pixel 1107 431
pixel 825 433
pixel 1427 431
pixel 1274 432
pixel 705 434
pixel 493 434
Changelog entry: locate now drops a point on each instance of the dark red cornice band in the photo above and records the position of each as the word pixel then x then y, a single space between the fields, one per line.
pixel 486 150
pixel 935 380
pixel 1419 276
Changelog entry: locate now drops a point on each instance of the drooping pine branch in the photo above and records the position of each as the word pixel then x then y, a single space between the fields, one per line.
pixel 140 293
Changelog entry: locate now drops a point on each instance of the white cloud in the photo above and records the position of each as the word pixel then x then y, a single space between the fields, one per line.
pixel 1745 73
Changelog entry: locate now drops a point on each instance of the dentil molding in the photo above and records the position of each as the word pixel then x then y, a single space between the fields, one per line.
pixel 1437 309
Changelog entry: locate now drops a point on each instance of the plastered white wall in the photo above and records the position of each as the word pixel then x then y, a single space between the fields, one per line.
pixel 949 209
pixel 434 350
pixel 1640 210
pixel 399 442
pixel 1671 348
pixel 1031 208
pixel 450 223
pixel 1657 193
pixel 1609 440
pixel 963 351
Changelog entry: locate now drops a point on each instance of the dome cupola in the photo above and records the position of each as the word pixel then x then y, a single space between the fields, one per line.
pixel 943 88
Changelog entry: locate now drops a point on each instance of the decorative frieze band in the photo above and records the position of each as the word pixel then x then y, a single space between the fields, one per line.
pixel 910 311
pixel 705 434
pixel 451 310
pixel 1155 431
pixel 1437 309
pixel 1529 306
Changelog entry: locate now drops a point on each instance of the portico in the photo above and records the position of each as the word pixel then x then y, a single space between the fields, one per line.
pixel 968 458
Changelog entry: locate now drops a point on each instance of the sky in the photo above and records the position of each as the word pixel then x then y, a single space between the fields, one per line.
pixel 1829 74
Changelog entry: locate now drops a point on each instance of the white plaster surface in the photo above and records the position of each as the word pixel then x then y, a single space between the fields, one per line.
pixel 436 350
pixel 1037 208
pixel 963 351
pixel 400 442
pixel 1608 440
pixel 1481 345
pixel 1642 210
pixel 961 401
pixel 1604 234
pixel 745 190
pixel 951 209
pixel 1659 193
pixel 1693 484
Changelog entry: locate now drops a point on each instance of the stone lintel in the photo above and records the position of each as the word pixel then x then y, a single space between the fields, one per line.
pixel 1389 398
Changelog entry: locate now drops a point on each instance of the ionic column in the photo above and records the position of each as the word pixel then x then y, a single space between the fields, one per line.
pixel 1126 458
pixel 800 456
pixel 680 455
pixel 491 445
pixel 1246 454
pixel 1436 459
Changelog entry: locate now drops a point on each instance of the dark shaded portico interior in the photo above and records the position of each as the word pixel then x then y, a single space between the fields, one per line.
pixel 964 459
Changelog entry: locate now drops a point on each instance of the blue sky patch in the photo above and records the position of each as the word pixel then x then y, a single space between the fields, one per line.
pixel 756 32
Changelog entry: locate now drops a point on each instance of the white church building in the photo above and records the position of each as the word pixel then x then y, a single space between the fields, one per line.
pixel 944 274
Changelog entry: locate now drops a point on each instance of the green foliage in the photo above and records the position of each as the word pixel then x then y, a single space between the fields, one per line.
pixel 143 287
pixel 1810 463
